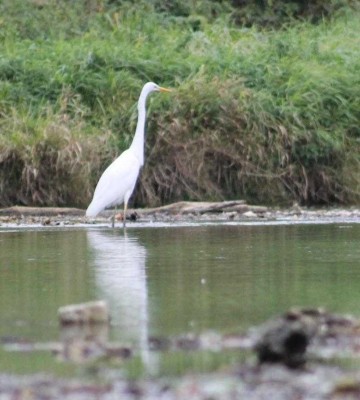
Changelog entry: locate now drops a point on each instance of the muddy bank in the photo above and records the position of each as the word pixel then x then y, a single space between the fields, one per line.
pixel 237 211
pixel 330 338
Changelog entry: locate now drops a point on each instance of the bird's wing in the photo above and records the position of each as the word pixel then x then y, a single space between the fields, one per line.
pixel 118 178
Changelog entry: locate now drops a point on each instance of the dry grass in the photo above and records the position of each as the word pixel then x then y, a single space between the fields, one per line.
pixel 50 170
pixel 271 117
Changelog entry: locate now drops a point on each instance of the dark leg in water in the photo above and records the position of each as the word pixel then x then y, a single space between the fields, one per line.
pixel 113 219
pixel 124 216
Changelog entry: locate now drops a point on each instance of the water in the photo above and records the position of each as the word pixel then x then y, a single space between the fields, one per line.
pixel 171 280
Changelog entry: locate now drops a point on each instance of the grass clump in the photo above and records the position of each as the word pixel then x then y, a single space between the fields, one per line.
pixel 269 116
pixel 44 161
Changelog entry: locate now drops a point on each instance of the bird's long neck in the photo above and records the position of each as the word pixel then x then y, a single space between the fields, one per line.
pixel 137 144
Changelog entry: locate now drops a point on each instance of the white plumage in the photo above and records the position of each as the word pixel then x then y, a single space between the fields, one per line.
pixel 118 180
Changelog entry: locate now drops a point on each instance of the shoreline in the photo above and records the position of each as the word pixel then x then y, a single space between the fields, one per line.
pixel 178 213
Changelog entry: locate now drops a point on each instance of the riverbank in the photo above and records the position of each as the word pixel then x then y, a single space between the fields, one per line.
pixel 177 213
pixel 270 115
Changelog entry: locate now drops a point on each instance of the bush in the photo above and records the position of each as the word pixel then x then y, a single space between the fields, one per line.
pixel 268 116
pixel 274 13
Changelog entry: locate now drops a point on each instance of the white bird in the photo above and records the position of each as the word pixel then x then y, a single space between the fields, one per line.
pixel 117 182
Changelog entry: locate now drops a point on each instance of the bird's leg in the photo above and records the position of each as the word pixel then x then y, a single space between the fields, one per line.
pixel 113 219
pixel 124 217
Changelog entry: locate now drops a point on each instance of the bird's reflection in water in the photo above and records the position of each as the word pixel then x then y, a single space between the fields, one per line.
pixel 120 278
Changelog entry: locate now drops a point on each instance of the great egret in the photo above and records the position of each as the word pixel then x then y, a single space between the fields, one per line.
pixel 117 182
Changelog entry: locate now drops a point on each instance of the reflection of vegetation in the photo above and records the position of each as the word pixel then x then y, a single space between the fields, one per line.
pixel 265 115
pixel 35 362
pixel 41 272
pixel 219 277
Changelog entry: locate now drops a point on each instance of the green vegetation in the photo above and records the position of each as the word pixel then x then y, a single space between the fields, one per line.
pixel 268 115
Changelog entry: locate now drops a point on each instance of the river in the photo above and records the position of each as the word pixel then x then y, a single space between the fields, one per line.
pixel 168 280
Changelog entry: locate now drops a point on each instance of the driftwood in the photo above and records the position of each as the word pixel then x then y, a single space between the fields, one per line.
pixel 41 211
pixel 196 207
pixel 182 207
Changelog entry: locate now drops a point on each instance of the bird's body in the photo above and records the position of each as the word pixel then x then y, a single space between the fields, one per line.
pixel 118 180
pixel 116 183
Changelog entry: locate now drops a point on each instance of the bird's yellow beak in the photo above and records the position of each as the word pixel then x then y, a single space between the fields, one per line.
pixel 162 89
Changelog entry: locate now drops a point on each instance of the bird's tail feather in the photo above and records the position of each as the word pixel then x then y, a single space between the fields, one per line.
pixel 93 210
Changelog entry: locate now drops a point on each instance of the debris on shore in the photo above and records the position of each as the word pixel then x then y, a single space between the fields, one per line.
pixel 294 353
pixel 184 211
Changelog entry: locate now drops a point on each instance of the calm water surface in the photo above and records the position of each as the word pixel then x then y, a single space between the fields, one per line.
pixel 173 280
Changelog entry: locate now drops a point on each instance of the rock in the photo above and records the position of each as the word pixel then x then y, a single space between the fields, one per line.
pixel 286 340
pixel 98 331
pixel 84 313
pixel 249 214
pixel 159 343
pixel 118 351
pixel 79 350
pixel 211 340
pixel 134 216
pixel 187 342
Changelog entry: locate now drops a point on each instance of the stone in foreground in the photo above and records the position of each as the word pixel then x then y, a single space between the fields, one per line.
pixel 84 313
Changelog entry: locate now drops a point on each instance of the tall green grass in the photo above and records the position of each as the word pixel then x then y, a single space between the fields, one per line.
pixel 270 116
